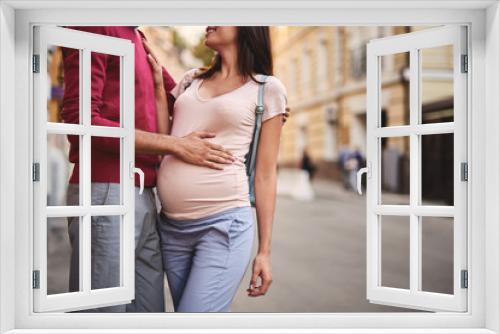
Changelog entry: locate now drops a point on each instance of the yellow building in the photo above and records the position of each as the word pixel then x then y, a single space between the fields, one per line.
pixel 324 70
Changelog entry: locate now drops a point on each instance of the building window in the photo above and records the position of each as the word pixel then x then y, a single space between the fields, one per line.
pixel 322 68
pixel 358 62
pixel 292 76
pixel 305 78
pixel 338 57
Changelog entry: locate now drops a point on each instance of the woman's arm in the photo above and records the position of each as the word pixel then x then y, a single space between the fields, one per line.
pixel 265 198
pixel 162 112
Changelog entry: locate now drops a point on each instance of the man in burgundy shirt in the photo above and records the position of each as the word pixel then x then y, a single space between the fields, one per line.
pixel 105 169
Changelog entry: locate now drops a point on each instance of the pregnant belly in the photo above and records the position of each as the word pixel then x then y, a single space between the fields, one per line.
pixel 190 192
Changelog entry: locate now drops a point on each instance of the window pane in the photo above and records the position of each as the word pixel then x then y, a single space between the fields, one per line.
pixel 63 73
pixel 437 84
pixel 395 170
pixel 105 250
pixel 437 169
pixel 395 248
pixel 59 255
pixel 437 254
pixel 394 90
pixel 105 171
pixel 105 90
pixel 62 177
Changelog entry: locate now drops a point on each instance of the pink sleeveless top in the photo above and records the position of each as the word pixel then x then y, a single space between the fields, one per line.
pixel 191 192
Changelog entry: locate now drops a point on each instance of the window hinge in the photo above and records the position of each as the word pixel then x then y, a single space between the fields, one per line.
pixel 465 66
pixel 464 171
pixel 464 279
pixel 36 172
pixel 36 279
pixel 36 63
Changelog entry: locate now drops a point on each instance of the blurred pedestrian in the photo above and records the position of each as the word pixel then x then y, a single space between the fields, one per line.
pixel 307 165
pixel 344 155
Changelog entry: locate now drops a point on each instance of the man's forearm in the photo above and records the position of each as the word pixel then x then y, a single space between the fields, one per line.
pixel 154 143
pixel 193 149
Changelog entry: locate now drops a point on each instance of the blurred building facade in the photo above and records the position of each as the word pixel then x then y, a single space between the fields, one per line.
pixel 324 70
pixel 171 50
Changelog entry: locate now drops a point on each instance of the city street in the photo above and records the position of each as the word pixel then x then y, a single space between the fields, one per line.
pixel 319 255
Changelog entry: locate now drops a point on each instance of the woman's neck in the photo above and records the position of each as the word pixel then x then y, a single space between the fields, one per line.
pixel 229 63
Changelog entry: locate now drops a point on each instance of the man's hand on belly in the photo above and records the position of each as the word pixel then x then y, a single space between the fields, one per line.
pixel 196 150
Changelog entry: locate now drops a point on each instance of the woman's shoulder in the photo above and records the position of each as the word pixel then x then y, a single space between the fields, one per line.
pixel 189 75
pixel 184 82
pixel 275 86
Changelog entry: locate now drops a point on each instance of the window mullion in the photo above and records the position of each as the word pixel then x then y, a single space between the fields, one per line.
pixel 85 180
pixel 415 261
pixel 77 129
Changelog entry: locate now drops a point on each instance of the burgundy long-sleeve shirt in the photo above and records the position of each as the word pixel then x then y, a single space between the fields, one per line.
pixel 105 105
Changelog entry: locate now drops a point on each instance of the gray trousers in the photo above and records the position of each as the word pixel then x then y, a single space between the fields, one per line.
pixel 105 245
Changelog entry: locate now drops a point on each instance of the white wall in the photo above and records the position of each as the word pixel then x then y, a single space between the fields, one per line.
pixel 7 179
pixel 492 186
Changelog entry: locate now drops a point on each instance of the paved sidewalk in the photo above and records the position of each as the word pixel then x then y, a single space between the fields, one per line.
pixel 319 256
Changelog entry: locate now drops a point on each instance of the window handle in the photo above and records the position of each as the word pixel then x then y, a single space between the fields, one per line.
pixel 134 170
pixel 141 179
pixel 359 175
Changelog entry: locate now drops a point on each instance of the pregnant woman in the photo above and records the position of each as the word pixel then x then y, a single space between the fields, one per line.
pixel 206 224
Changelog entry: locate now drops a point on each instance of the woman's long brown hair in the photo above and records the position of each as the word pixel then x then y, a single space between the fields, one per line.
pixel 254 54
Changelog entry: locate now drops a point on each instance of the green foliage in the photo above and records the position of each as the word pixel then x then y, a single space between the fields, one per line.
pixel 178 41
pixel 203 53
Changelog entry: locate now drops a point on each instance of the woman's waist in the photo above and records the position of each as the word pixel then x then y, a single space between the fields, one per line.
pixel 172 165
pixel 185 179
pixel 208 217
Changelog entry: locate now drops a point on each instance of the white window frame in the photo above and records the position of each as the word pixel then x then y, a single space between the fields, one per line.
pixel 16 20
pixel 86 43
pixel 413 43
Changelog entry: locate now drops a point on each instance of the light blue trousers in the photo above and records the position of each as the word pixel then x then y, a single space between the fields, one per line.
pixel 206 259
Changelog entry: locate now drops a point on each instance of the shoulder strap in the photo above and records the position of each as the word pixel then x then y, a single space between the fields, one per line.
pixel 260 96
pixel 259 111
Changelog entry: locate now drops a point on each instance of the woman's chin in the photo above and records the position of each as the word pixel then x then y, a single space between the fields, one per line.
pixel 211 43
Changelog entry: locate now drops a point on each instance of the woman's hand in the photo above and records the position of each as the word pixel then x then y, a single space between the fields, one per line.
pixel 155 65
pixel 286 114
pixel 162 112
pixel 261 268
